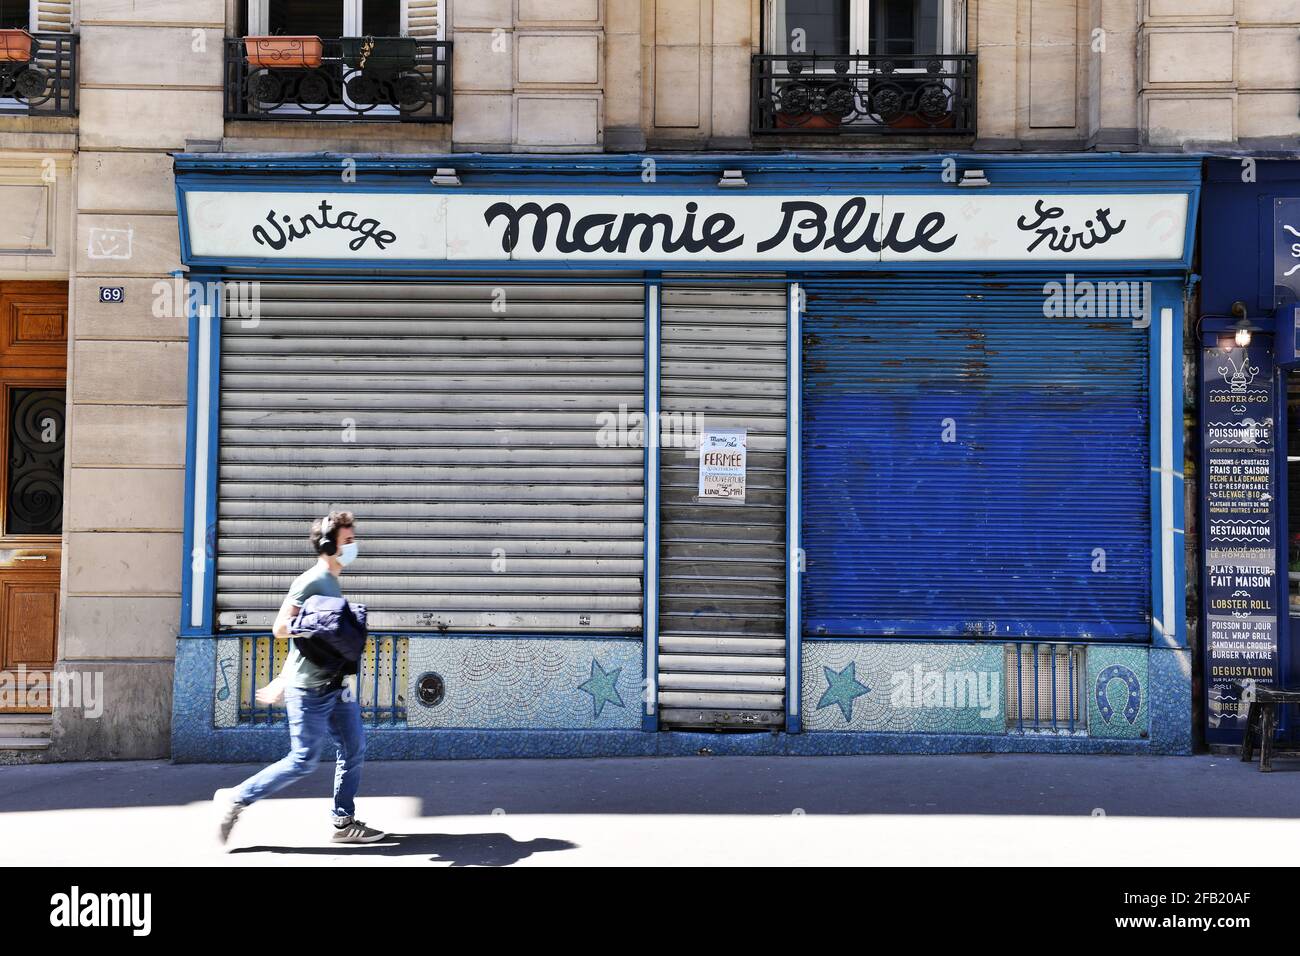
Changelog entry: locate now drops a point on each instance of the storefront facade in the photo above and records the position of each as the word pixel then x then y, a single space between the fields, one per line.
pixel 916 487
pixel 1250 436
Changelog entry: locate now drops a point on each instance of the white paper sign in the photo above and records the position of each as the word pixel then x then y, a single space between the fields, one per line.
pixel 840 229
pixel 722 464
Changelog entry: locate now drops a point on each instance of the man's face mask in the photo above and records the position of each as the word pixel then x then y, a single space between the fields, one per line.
pixel 347 553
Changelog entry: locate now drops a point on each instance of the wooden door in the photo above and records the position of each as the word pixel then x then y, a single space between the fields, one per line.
pixel 33 378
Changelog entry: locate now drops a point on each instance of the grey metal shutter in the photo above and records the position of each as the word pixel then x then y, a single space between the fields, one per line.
pixel 462 424
pixel 722 570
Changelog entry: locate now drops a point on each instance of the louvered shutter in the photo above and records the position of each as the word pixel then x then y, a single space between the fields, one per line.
pixel 972 468
pixel 462 424
pixel 423 19
pixel 52 16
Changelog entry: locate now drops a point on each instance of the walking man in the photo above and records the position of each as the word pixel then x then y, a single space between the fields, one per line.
pixel 320 703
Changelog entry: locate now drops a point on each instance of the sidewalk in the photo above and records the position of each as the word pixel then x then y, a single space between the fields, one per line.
pixel 882 810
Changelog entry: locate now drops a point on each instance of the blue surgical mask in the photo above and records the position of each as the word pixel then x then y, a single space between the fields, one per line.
pixel 347 553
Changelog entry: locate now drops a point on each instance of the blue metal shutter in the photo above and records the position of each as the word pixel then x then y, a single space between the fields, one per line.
pixel 999 531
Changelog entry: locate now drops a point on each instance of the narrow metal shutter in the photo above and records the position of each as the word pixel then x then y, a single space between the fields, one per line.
pixel 971 467
pixel 722 569
pixel 462 424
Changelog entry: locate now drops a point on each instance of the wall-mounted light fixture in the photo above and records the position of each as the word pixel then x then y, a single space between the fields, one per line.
pixel 445 176
pixel 1243 336
pixel 732 179
pixel 973 177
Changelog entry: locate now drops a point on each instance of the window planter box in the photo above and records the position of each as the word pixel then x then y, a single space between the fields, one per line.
pixel 815 104
pixel 381 71
pixel 283 52
pixel 381 55
pixel 911 102
pixel 16 46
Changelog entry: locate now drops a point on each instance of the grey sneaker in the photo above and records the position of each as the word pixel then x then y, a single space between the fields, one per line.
pixel 352 830
pixel 230 811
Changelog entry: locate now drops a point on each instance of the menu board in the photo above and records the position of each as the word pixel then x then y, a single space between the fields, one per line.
pixel 1240 536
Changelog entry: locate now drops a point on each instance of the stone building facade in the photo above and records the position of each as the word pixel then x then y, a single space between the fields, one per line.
pixel 88 203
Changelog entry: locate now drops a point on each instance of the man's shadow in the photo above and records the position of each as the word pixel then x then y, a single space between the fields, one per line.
pixel 458 849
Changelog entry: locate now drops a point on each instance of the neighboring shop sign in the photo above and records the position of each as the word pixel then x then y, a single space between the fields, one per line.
pixel 848 229
pixel 1286 250
pixel 1241 633
pixel 722 464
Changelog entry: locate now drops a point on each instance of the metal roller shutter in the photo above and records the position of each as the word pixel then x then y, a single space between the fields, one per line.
pixel 972 467
pixel 461 424
pixel 722 569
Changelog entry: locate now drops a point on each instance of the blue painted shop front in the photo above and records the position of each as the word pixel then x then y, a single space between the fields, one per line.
pixel 1250 437
pixel 982 548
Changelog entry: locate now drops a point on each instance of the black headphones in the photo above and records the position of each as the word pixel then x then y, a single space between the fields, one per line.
pixel 326 544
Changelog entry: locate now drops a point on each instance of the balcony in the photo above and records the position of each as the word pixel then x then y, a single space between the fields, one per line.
pixel 863 95
pixel 38 74
pixel 346 79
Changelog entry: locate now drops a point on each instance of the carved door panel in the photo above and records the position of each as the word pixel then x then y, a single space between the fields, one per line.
pixel 33 363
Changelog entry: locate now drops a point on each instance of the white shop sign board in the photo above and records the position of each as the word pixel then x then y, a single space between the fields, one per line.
pixel 836 229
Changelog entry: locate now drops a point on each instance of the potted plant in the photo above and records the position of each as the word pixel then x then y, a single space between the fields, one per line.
pixel 283 52
pixel 17 46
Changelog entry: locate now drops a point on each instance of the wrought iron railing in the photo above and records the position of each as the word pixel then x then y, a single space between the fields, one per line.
pixel 874 95
pixel 372 79
pixel 45 83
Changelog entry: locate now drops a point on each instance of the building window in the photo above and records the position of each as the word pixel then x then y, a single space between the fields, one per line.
pixel 15 14
pixel 381 59
pixel 854 27
pixel 906 26
pixel 323 18
pixel 863 67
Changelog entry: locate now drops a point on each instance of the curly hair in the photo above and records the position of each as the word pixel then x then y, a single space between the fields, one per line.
pixel 337 520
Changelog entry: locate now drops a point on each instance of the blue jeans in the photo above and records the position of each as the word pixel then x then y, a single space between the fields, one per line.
pixel 313 713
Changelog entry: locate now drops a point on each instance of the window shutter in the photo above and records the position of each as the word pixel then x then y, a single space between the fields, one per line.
pixel 423 19
pixel 52 16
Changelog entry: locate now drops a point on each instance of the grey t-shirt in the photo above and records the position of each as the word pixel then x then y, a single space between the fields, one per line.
pixel 315 580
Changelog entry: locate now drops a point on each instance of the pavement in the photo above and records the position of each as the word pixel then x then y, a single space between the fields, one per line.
pixel 1032 809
